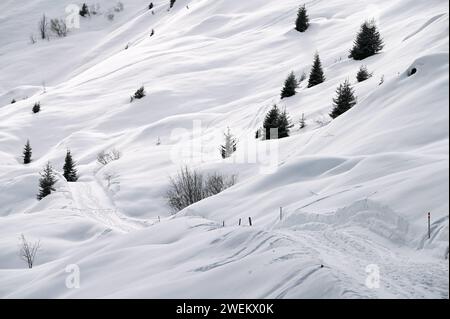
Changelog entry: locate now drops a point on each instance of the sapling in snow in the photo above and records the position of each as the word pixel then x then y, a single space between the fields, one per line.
pixel 230 145
pixel 27 152
pixel 316 76
pixel 344 100
pixel 70 171
pixel 46 182
pixel 302 22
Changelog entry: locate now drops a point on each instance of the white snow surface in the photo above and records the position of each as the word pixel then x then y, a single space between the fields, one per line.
pixel 355 191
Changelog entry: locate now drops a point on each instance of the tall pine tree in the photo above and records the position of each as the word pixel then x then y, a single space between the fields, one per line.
pixel 344 100
pixel 302 23
pixel 27 152
pixel 46 182
pixel 316 76
pixel 70 171
pixel 368 41
pixel 290 86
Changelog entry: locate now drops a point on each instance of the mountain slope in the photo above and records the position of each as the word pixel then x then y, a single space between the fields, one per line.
pixel 355 191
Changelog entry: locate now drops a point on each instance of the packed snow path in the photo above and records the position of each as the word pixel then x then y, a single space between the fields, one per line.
pixel 90 199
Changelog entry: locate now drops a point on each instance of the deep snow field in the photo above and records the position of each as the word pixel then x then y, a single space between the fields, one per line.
pixel 355 191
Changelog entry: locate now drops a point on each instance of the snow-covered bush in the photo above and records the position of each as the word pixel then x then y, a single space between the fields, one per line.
pixel 106 157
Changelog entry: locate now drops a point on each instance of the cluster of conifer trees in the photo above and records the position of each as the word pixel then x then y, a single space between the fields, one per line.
pixel 368 42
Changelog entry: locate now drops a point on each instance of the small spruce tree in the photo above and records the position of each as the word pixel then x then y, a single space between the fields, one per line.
pixel 344 100
pixel 368 41
pixel 230 145
pixel 46 182
pixel 271 122
pixel 13 101
pixel 278 121
pixel 302 23
pixel 316 76
pixel 363 74
pixel 37 107
pixel 290 86
pixel 140 93
pixel 70 171
pixel 284 125
pixel 150 6
pixel 172 3
pixel 84 10
pixel 27 152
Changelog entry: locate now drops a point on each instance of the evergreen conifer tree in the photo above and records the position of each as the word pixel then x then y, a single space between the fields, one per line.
pixel 277 122
pixel 368 41
pixel 271 122
pixel 290 86
pixel 230 145
pixel 140 93
pixel 70 171
pixel 363 74
pixel 84 10
pixel 46 182
pixel 344 100
pixel 284 125
pixel 316 76
pixel 172 3
pixel 302 23
pixel 37 107
pixel 27 152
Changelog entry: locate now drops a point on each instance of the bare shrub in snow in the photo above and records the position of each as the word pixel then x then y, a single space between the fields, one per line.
pixel 189 187
pixel 119 7
pixel 32 39
pixel 59 27
pixel 43 27
pixel 94 9
pixel 106 157
pixel 28 251
pixel 110 16
pixel 217 183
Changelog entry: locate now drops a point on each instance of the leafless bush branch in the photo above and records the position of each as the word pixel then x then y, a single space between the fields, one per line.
pixel 28 251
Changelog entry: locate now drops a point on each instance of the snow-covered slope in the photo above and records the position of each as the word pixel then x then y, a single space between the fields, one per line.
pixel 355 191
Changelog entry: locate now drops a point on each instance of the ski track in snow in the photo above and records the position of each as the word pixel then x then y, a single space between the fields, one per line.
pixel 90 199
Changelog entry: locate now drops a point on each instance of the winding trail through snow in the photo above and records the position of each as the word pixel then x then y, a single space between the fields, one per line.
pixel 91 200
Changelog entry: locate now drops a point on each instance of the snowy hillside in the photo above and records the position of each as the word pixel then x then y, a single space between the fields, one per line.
pixel 355 191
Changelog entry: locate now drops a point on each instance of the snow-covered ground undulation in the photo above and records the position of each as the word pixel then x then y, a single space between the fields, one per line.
pixel 355 191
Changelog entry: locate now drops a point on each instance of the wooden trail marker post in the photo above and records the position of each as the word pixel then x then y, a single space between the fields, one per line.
pixel 429 225
pixel 281 213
